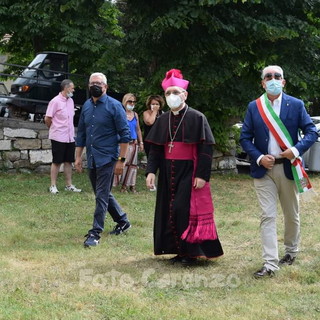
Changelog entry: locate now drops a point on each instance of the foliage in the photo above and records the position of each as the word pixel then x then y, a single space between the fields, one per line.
pixel 84 29
pixel 221 47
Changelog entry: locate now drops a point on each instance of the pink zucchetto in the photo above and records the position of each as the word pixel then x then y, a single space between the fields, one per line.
pixel 174 77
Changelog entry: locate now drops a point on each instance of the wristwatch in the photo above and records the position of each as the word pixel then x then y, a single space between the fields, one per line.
pixel 121 159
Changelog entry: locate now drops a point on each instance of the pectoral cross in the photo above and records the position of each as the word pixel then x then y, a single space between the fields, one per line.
pixel 170 145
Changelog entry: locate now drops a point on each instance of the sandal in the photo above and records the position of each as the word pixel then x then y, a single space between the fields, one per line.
pixel 123 190
pixel 133 189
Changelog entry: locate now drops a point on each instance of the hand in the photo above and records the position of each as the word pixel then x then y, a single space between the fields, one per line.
pixel 150 180
pixel 267 161
pixel 78 164
pixel 155 108
pixel 198 183
pixel 287 154
pixel 118 170
pixel 141 148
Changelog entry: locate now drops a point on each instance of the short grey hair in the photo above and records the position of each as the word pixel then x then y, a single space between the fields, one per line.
pixel 278 68
pixel 99 74
pixel 65 84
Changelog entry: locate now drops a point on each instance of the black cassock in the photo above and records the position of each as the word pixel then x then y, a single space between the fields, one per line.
pixel 175 182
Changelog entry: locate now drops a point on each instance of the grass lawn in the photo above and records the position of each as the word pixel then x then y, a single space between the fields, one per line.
pixel 45 273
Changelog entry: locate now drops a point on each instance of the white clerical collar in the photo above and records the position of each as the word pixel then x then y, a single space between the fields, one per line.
pixel 178 111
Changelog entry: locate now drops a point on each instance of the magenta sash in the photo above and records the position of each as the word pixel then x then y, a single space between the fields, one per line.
pixel 201 220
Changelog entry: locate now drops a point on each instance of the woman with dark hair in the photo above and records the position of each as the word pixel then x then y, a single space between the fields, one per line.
pixel 154 105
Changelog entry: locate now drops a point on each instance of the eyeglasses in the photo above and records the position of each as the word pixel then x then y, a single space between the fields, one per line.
pixel 269 75
pixel 131 101
pixel 175 92
pixel 96 83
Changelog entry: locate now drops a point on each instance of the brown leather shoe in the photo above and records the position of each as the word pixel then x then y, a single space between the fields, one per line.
pixel 287 259
pixel 263 273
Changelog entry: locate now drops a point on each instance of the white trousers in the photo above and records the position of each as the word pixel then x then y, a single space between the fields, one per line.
pixel 272 186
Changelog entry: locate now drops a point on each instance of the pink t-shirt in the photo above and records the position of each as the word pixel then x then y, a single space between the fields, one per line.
pixel 61 110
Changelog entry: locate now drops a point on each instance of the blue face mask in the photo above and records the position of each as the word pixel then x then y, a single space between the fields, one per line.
pixel 274 87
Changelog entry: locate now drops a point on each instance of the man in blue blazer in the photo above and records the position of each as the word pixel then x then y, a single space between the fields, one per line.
pixel 271 166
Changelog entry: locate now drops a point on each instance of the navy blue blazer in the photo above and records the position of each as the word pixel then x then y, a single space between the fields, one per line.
pixel 254 136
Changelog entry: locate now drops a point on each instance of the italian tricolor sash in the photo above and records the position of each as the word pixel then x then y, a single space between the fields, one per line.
pixel 281 134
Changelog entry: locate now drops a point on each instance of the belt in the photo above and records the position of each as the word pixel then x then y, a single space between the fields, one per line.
pixel 279 160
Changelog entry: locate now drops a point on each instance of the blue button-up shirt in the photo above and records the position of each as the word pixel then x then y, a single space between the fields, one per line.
pixel 102 126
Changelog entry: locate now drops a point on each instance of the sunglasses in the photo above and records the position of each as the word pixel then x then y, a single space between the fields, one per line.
pixel 269 76
pixel 131 101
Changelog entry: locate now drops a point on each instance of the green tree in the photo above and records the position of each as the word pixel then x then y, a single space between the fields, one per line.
pixel 85 29
pixel 221 47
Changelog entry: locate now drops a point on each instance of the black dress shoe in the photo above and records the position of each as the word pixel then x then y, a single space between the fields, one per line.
pixel 287 259
pixel 175 259
pixel 263 273
pixel 187 261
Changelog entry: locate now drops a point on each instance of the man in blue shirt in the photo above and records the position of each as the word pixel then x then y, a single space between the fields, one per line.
pixel 102 129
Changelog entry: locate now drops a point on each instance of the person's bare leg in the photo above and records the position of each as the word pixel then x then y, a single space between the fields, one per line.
pixel 54 173
pixel 68 173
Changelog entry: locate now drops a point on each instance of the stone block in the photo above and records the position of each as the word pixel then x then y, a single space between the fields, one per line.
pixel 20 133
pixel 6 164
pixel 27 144
pixel 1 134
pixel 24 155
pixel 12 155
pixel 42 169
pixel 25 170
pixel 214 165
pixel 40 156
pixel 217 154
pixel 5 144
pixel 227 163
pixel 21 164
pixel 46 144
pixel 43 134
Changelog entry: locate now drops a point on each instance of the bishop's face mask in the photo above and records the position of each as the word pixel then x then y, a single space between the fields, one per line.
pixel 95 91
pixel 173 101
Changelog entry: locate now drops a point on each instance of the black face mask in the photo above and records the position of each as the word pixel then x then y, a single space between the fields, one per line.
pixel 95 91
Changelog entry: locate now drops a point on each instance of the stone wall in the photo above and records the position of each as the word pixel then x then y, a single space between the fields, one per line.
pixel 25 147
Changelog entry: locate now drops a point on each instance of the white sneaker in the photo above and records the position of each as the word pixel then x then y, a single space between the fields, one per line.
pixel 154 188
pixel 72 188
pixel 53 189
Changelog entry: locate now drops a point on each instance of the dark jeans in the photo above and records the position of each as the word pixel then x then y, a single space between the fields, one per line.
pixel 101 181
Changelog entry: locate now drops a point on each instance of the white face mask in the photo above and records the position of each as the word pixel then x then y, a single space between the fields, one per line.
pixel 154 106
pixel 69 94
pixel 129 107
pixel 174 101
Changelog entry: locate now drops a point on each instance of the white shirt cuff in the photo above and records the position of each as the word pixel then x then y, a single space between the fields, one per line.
pixel 258 160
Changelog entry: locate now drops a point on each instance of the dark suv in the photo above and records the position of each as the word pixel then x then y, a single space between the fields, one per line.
pixel 3 100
